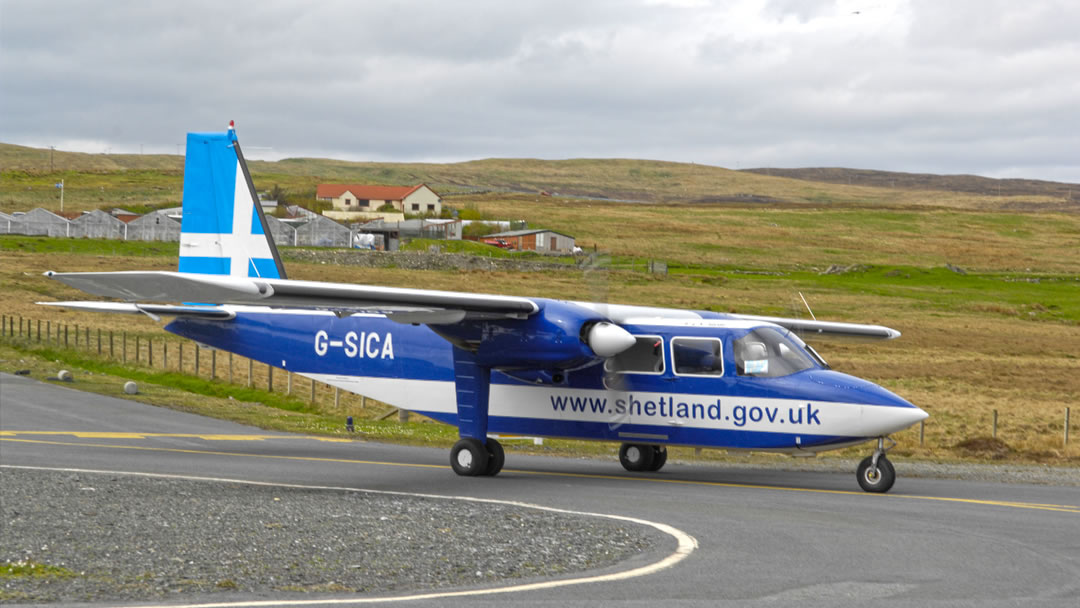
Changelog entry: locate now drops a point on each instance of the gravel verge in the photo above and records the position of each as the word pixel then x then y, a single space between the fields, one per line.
pixel 123 538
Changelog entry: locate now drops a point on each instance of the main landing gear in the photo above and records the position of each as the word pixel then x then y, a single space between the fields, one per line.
pixel 641 457
pixel 471 458
pixel 876 473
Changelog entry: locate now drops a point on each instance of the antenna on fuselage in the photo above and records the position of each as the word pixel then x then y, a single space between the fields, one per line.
pixel 807 307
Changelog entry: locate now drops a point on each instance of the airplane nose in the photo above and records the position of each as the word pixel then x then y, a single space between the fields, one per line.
pixel 883 411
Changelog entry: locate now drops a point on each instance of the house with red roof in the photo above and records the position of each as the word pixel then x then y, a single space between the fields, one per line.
pixel 363 198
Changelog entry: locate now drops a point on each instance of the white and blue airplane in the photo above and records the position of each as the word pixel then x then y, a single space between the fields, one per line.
pixel 645 377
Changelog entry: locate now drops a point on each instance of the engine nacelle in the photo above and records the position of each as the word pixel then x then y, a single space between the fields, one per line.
pixel 560 336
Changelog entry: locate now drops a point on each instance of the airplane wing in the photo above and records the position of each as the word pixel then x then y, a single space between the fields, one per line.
pixel 827 329
pixel 403 305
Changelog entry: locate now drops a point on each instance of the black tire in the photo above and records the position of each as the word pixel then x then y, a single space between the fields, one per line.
pixel 469 457
pixel 496 458
pixel 879 480
pixel 659 457
pixel 636 457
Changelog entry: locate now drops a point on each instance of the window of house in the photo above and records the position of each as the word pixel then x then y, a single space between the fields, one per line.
pixel 431 207
pixel 697 356
pixel 646 356
pixel 363 202
pixel 416 206
pixel 348 202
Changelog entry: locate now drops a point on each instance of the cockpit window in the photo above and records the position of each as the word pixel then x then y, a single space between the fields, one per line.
pixel 767 353
pixel 697 356
pixel 646 356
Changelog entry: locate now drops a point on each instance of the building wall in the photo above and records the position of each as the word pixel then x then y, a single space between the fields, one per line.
pixel 423 200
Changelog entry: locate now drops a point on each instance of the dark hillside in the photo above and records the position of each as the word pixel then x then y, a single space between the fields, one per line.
pixel 973 184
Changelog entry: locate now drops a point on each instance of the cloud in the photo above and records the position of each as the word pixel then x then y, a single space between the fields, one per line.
pixel 916 86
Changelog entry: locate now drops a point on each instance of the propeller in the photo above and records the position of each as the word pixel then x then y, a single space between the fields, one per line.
pixel 597 269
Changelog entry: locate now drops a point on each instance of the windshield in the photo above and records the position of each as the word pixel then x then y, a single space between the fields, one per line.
pixel 767 353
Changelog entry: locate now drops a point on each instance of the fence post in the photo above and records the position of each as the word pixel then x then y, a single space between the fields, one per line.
pixel 65 334
pixel 180 363
pixel 20 326
pixel 230 367
pixel 165 355
pixel 138 345
pixel 363 402
pixel 288 383
pixel 213 364
pixel 269 377
pixel 995 425
pixel 112 351
pixel 87 338
pixel 150 352
pixel 39 331
pixel 76 336
pixel 337 397
pixel 922 431
pixel 313 390
pixel 99 341
pixel 48 331
pixel 251 370
pixel 123 345
pixel 197 349
pixel 3 325
pixel 1067 426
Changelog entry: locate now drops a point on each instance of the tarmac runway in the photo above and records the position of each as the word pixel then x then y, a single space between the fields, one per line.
pixel 762 537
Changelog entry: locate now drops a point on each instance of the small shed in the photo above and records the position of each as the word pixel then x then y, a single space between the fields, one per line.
pixel 541 240
pixel 322 231
pixel 156 226
pixel 42 222
pixel 97 224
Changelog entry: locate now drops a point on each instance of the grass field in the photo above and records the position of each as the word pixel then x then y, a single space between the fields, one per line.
pixel 981 276
pixel 1001 337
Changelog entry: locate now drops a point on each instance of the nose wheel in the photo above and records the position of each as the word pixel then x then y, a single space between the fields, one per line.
pixel 875 473
pixel 639 457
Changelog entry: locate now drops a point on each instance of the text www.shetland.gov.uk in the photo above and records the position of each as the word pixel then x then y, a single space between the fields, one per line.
pixel 668 407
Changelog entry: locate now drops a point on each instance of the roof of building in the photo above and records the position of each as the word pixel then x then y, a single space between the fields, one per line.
pixel 365 191
pixel 525 232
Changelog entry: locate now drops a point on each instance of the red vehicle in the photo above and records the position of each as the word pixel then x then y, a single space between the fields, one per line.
pixel 500 243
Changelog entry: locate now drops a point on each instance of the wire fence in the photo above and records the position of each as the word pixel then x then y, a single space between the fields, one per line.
pixel 173 354
pixel 187 357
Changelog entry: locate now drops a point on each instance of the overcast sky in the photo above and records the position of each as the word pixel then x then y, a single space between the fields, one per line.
pixel 990 87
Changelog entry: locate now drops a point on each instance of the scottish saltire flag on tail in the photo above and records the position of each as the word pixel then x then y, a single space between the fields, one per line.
pixel 223 231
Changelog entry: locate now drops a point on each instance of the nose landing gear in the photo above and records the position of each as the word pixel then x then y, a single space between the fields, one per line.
pixel 875 473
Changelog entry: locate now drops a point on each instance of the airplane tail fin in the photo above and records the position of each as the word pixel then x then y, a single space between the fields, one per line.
pixel 224 230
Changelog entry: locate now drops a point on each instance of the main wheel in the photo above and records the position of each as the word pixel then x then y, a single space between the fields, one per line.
pixel 659 457
pixel 636 457
pixel 879 479
pixel 496 457
pixel 469 457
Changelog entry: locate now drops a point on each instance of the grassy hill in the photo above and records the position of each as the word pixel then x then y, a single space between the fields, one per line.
pixel 99 180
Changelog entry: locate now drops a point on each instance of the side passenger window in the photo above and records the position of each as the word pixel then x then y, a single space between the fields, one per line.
pixel 646 356
pixel 698 356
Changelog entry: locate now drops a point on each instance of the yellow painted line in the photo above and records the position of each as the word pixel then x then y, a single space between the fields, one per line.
pixel 203 436
pixel 717 484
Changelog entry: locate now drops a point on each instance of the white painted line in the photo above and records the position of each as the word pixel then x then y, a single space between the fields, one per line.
pixel 687 544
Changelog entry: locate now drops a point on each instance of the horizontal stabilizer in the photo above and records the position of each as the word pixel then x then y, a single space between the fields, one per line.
pixel 408 305
pixel 827 329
